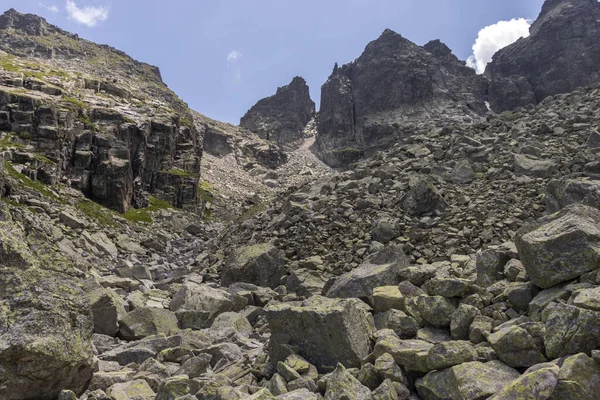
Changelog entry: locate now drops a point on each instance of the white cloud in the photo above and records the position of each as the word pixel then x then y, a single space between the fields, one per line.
pixel 494 37
pixel 88 16
pixel 234 55
pixel 51 7
pixel 234 67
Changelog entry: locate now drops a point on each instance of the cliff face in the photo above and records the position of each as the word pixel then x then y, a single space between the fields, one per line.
pixel 282 117
pixel 561 54
pixel 117 138
pixel 394 81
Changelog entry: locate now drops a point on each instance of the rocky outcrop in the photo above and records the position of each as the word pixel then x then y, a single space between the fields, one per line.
pixel 281 118
pixel 370 101
pixel 561 54
pixel 86 132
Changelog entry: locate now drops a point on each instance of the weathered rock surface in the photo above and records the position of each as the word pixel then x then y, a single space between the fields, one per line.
pixel 559 55
pixel 473 380
pixel 45 319
pixel 261 264
pixel 561 193
pixel 282 117
pixel 561 246
pixel 324 331
pixel 361 281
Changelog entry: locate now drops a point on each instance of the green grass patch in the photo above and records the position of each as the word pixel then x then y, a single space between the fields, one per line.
pixel 10 202
pixel 6 142
pixel 97 212
pixel 251 212
pixel 143 215
pixel 186 120
pixel 106 217
pixel 206 192
pixel 28 182
pixel 75 102
pixel 87 122
pixel 9 67
pixel 42 158
pixel 129 120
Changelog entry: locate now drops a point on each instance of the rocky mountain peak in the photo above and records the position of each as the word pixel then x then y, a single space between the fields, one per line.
pixel 281 118
pixel 30 24
pixel 367 103
pixel 564 12
pixel 440 50
pixel 561 54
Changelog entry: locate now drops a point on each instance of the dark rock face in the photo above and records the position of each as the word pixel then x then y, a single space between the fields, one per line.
pixel 283 116
pixel 561 54
pixel 104 157
pixel 364 103
pixel 83 132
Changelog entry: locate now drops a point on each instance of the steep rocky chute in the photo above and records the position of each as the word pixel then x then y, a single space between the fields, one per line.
pixel 460 262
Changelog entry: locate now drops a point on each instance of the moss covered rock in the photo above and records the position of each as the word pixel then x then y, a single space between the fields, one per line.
pixel 147 321
pixel 138 389
pixel 516 347
pixel 45 319
pixel 343 385
pixel 472 380
pixel 260 264
pixel 561 246
pixel 570 330
pixel 537 385
pixel 324 331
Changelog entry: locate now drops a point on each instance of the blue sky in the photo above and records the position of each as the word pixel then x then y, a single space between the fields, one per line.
pixel 221 56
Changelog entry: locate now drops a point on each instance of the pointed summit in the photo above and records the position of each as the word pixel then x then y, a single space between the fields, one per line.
pixel 30 24
pixel 283 116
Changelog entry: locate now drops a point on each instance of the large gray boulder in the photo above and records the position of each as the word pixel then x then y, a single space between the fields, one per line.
pixel 534 167
pixel 516 347
pixel 196 306
pixel 260 264
pixel 471 380
pixel 538 385
pixel 45 319
pixel 147 321
pixel 107 308
pixel 579 378
pixel 361 281
pixel 570 330
pixel 423 198
pixel 561 246
pixel 324 331
pixel 342 385
pixel 563 192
